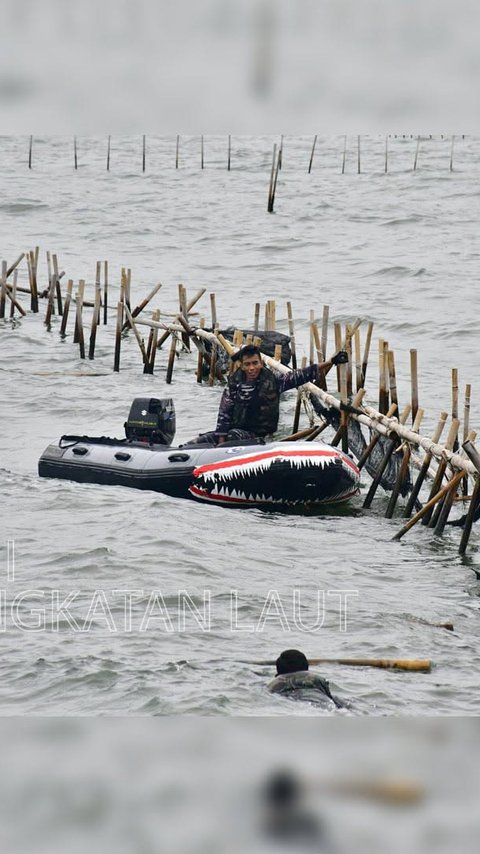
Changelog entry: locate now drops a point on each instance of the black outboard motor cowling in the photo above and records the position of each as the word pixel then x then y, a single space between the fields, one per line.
pixel 151 420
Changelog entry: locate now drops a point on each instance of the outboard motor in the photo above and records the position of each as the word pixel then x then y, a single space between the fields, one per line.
pixel 151 420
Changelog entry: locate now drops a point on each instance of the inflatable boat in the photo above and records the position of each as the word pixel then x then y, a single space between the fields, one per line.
pixel 272 475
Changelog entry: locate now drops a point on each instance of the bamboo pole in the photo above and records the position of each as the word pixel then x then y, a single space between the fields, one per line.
pixel 144 152
pixel 445 506
pixel 414 381
pixel 79 324
pixel 338 346
pixel 392 377
pixel 271 198
pixel 32 272
pixel 386 153
pixel 201 153
pixel 200 356
pixel 13 296
pixel 325 315
pixel 344 154
pixel 75 155
pixel 358 154
pixel 381 377
pixel 213 364
pixel 466 427
pixel 108 153
pixel 428 507
pixel 149 364
pixel 374 440
pixel 291 333
pixel 139 308
pixel 451 438
pixel 30 148
pixel 311 155
pixel 105 292
pixel 256 319
pixel 402 473
pixel 425 466
pixel 3 290
pixel 366 352
pixel 280 153
pixel 411 665
pixel 474 456
pixel 190 305
pixel 298 403
pixel 58 289
pixel 348 366
pixel 416 154
pixel 383 465
pixel 358 361
pixel 229 152
pixel 15 264
pixel 66 309
pixel 118 336
pixel 94 324
pixel 177 148
pixel 451 154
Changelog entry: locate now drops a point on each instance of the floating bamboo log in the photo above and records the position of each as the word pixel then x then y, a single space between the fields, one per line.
pixel 412 665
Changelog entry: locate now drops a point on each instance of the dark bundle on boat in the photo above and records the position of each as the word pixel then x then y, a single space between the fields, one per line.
pixel 269 340
pixel 357 445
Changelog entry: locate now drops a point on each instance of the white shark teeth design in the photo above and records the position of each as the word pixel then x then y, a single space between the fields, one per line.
pixel 256 467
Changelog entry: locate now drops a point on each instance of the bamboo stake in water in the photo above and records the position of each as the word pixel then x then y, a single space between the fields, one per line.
pixel 414 381
pixel 466 428
pixel 392 377
pixel 443 508
pixel 311 155
pixel 58 289
pixel 256 319
pixel 344 154
pixel 75 158
pixel 474 456
pixel 3 290
pixel 383 465
pixel 144 152
pixel 280 153
pixel 402 473
pixel 105 292
pixel 416 154
pixel 118 337
pixel 428 507
pixel 358 362
pixel 150 364
pixel 139 308
pixel 298 404
pixel 177 149
pixel 325 314
pixel 291 333
pixel 93 328
pixel 66 308
pixel 108 154
pixel 200 355
pixel 201 152
pixel 366 352
pixel 386 153
pixel 138 338
pixel 213 308
pixel 358 154
pixel 442 467
pixel 79 319
pixel 229 152
pixel 13 296
pixel 30 147
pixel 451 154
pixel 272 176
pixel 425 466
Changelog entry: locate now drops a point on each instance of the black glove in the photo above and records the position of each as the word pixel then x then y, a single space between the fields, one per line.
pixel 340 358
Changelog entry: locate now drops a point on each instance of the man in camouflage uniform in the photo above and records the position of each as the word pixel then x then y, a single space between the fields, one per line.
pixel 294 680
pixel 249 408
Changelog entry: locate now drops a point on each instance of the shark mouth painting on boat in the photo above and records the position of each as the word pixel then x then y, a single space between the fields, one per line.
pixel 280 476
